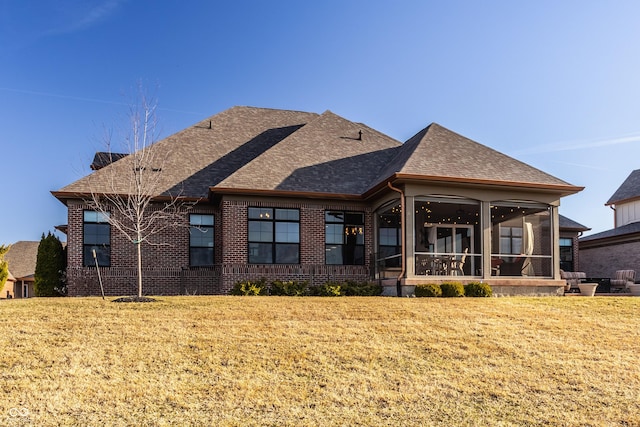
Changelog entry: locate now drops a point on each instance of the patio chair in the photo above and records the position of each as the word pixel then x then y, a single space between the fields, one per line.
pixel 622 280
pixel 457 265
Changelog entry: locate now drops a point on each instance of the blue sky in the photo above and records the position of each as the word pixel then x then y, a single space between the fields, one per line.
pixel 553 84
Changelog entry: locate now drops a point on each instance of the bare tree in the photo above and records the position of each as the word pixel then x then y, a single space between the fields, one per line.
pixel 131 196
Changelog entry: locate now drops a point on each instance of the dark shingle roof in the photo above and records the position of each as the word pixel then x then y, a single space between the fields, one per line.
pixel 202 155
pixel 631 228
pixel 102 159
pixel 327 155
pixel 438 152
pixel 569 224
pixel 21 258
pixel 630 189
pixel 257 149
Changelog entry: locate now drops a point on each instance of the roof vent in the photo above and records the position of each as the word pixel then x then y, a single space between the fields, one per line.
pixel 359 135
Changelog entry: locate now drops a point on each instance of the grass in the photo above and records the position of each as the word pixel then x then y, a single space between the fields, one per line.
pixel 284 361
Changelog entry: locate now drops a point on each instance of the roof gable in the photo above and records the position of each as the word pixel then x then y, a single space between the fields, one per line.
pixel 630 189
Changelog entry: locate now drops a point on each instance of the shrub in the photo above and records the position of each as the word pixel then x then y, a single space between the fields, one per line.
pixel 50 265
pixel 329 289
pixel 452 289
pixel 289 288
pixel 248 287
pixel 362 289
pixel 477 289
pixel 429 290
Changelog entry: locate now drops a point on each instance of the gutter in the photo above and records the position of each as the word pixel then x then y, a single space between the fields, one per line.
pixel 402 240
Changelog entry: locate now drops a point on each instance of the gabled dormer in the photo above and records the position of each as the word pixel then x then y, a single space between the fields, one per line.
pixel 625 202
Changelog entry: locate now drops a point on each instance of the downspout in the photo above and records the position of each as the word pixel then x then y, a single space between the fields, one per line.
pixel 402 240
pixel 615 216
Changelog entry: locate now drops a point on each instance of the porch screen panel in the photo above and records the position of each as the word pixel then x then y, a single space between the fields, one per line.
pixel 447 236
pixel 521 239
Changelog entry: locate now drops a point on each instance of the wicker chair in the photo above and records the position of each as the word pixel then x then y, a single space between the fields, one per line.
pixel 572 279
pixel 622 280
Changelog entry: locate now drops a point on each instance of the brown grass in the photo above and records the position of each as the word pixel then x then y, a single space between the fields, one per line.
pixel 283 361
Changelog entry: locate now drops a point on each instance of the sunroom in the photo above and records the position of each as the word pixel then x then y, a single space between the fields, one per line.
pixel 486 236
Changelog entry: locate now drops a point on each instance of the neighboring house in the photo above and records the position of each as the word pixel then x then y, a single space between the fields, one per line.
pixel 602 254
pixel 21 258
pixel 303 196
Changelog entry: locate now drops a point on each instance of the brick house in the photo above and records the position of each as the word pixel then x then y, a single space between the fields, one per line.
pixel 21 259
pixel 606 252
pixel 305 196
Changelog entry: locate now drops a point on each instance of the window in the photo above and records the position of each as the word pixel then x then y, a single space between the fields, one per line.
pixel 96 232
pixel 566 254
pixel 274 236
pixel 389 237
pixel 344 238
pixel 510 240
pixel 200 240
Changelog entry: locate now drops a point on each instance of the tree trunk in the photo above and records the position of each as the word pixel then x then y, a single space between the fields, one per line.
pixel 139 269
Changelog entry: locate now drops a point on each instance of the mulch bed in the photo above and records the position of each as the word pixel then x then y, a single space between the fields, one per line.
pixel 135 299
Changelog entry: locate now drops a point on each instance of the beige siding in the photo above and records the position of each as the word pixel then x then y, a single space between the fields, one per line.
pixel 627 213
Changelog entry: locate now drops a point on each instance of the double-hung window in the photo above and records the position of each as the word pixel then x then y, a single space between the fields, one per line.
pixel 96 235
pixel 274 236
pixel 344 237
pixel 200 240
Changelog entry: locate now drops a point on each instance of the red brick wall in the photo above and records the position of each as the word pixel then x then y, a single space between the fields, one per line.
pixel 166 268
pixel 312 251
pixel 165 261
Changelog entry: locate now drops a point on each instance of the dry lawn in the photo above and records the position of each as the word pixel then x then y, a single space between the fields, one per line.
pixel 284 361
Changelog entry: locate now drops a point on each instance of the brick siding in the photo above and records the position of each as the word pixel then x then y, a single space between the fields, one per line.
pixel 165 262
pixel 166 268
pixel 604 261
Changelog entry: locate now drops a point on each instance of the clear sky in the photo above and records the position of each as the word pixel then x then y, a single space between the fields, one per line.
pixel 555 84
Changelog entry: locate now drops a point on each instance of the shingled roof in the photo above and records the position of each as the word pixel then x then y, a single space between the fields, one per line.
pixel 631 229
pixel 437 153
pixel 247 149
pixel 21 258
pixel 200 156
pixel 629 190
pixel 568 224
pixel 328 155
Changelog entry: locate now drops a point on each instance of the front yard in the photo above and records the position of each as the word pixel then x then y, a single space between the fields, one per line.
pixel 310 361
